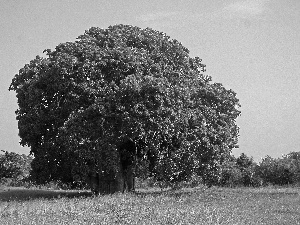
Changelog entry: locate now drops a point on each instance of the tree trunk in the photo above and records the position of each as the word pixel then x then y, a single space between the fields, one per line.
pixel 94 182
pixel 129 179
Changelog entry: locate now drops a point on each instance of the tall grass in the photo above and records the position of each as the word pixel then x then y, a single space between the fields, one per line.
pixel 188 206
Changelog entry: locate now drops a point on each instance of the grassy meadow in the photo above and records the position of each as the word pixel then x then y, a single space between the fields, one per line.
pixel 187 206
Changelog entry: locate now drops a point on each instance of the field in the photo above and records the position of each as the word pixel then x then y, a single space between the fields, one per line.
pixel 188 206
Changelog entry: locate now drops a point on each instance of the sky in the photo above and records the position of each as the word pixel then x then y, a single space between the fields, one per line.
pixel 250 46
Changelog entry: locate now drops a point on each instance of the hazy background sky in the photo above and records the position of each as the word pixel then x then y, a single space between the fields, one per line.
pixel 250 46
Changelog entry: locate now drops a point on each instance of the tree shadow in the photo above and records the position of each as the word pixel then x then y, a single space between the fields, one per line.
pixel 23 194
pixel 177 193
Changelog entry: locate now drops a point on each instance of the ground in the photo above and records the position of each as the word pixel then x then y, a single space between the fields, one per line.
pixel 188 206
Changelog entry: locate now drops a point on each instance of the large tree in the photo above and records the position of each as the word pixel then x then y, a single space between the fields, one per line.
pixel 87 101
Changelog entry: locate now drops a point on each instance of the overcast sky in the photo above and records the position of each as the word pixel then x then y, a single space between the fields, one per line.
pixel 250 46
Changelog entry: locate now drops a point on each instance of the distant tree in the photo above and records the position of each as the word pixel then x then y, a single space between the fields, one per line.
pixel 230 174
pixel 14 166
pixel 292 163
pixel 275 171
pixel 88 98
pixel 247 167
pixel 244 162
pixel 240 171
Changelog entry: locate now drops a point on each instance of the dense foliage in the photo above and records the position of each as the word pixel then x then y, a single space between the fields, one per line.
pixel 14 168
pixel 281 171
pixel 78 104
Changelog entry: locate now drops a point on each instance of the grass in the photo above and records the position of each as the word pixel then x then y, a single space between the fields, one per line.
pixel 187 206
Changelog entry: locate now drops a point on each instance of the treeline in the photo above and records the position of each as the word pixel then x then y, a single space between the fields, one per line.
pixel 243 171
pixel 234 171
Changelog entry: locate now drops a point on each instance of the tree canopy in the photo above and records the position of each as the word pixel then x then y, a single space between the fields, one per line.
pixel 79 103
